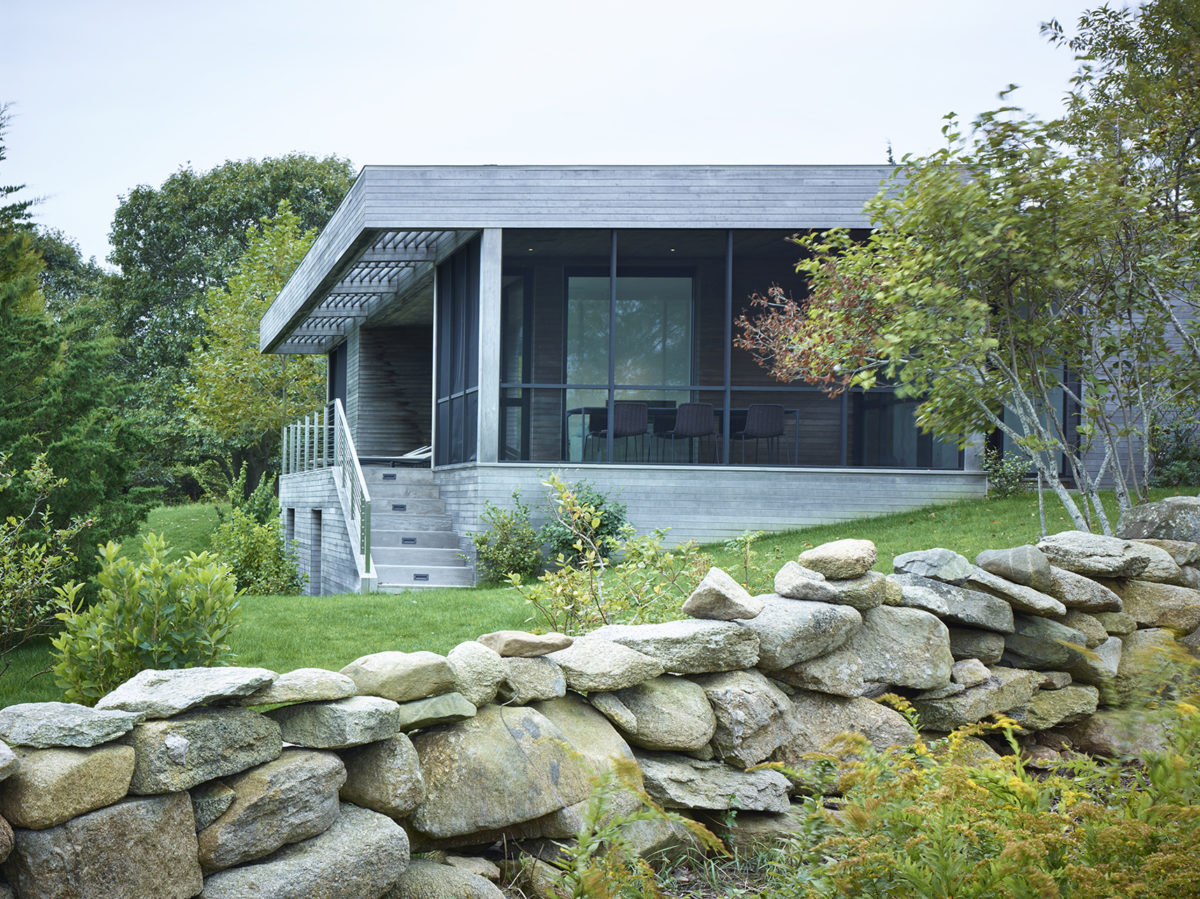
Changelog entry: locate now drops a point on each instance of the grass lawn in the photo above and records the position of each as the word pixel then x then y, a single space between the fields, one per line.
pixel 187 528
pixel 287 632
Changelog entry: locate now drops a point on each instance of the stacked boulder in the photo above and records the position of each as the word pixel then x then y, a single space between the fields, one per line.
pixel 237 782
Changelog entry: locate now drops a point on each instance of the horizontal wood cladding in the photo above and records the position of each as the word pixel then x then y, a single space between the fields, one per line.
pixel 394 385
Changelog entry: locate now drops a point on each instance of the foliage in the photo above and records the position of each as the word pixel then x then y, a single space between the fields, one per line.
pixel 250 541
pixel 589 588
pixel 231 391
pixel 1175 450
pixel 603 863
pixel 758 569
pixel 152 613
pixel 33 556
pixel 567 526
pixel 1005 472
pixel 924 821
pixel 510 545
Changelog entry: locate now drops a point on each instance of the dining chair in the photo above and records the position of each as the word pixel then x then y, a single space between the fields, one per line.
pixel 764 421
pixel 693 421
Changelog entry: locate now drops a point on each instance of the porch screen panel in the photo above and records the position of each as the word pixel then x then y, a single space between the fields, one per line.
pixel 458 357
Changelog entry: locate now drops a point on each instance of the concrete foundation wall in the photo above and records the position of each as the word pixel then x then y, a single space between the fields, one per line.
pixel 316 528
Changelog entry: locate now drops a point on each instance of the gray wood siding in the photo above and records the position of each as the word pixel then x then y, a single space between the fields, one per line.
pixel 394 384
pixel 352 380
pixel 712 504
pixel 315 490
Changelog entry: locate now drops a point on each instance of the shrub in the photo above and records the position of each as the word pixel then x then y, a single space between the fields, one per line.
pixel 1005 472
pixel 152 613
pixel 566 527
pixel 33 555
pixel 1175 452
pixel 510 545
pixel 257 555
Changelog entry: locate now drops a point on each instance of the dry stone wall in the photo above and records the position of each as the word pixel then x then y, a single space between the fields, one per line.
pixel 177 785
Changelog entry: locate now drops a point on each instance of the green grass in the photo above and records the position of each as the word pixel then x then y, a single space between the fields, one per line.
pixel 187 528
pixel 287 632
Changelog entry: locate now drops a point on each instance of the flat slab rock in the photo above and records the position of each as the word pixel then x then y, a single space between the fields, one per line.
pixel 520 644
pixel 401 676
pixel 1095 554
pixel 161 694
pixel 1026 565
pixel 46 724
pixel 840 559
pixel 340 724
pixel 938 563
pixel 593 664
pixel 1175 518
pixel 1007 688
pixel 688 647
pixel 54 785
pixel 955 605
pixel 678 781
pixel 302 685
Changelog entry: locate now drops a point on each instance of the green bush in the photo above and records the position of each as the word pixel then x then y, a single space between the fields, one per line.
pixel 562 533
pixel 152 613
pixel 257 556
pixel 510 545
pixel 1175 452
pixel 1005 472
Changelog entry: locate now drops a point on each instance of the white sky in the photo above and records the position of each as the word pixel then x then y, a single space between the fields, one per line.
pixel 109 94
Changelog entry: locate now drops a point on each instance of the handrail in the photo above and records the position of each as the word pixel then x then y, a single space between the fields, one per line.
pixel 321 440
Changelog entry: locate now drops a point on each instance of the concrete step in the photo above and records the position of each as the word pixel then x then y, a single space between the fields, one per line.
pixel 381 474
pixel 386 490
pixel 408 577
pixel 408 521
pixel 387 539
pixel 407 505
pixel 416 555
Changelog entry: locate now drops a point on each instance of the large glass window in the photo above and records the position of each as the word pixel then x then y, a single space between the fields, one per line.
pixel 457 304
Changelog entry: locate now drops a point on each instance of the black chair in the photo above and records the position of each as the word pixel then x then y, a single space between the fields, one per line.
pixel 764 421
pixel 597 427
pixel 631 420
pixel 693 421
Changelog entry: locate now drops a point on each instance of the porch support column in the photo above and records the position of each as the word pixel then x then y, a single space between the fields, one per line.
pixel 489 345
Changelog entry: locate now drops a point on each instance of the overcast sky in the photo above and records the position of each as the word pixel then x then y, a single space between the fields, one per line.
pixel 109 94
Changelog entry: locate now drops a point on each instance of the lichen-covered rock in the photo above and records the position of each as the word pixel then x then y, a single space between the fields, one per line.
pixel 904 647
pixel 688 647
pixel 339 724
pixel 795 630
pixel 43 725
pixel 593 664
pixel 284 801
pixel 1049 708
pixel 1175 518
pixel 302 685
pixel 955 605
pixel 384 776
pixel 1182 552
pixel 1159 605
pixel 1088 625
pixel 161 694
pixel 816 721
pixel 940 564
pixel 361 856
pixel 677 781
pixel 719 597
pixel 1119 734
pixel 1021 598
pixel 838 673
pixel 401 676
pixel 969 643
pixel 478 671
pixel 751 715
pixel 864 592
pixel 210 801
pixel 1146 659
pixel 1078 592
pixel 177 753
pixel 533 679
pixel 1116 623
pixel 841 559
pixel 1008 688
pixel 520 644
pixel 611 707
pixel 140 848
pixel 1095 555
pixel 54 785
pixel 795 581
pixel 1025 565
pixel 1040 643
pixel 502 767
pixel 7 841
pixel 1099 665
pixel 969 673
pixel 670 713
pixel 439 709
pixel 424 879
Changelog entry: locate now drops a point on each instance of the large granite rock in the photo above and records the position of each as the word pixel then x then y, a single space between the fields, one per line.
pixel 751 715
pixel 1040 643
pixel 142 848
pixel 1078 592
pixel 795 581
pixel 1020 597
pixel 968 643
pixel 1116 623
pixel 46 724
pixel 1050 708
pixel 401 676
pixel 440 709
pixel 677 781
pixel 8 762
pixel 1025 565
pixel 593 664
pixel 1175 518
pixel 54 785
pixel 839 673
pixel 669 713
pixel 284 801
pixel 1095 555
pixel 816 721
pixel 1146 663
pixel 424 879
pixel 1118 734
pixel 795 630
pixel 361 856
pixel 863 592
pixel 1008 688
pixel 302 685
pixel 940 564
pixel 841 559
pixel 504 766
pixel 161 694
pixel 340 724
pixel 688 647
pixel 719 597
pixel 520 644
pixel 904 647
pixel 1088 625
pixel 533 679
pixel 1182 552
pixel 1159 605
pixel 478 671
pixel 177 753
pixel 384 776
pixel 955 605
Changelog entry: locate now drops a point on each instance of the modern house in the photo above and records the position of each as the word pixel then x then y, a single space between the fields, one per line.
pixel 520 320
